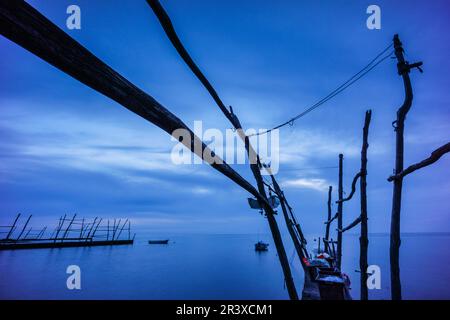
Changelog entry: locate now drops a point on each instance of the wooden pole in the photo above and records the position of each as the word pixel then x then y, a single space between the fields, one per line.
pixel 399 125
pixel 166 23
pixel 90 230
pixel 95 230
pixel 327 227
pixel 364 238
pixel 24 25
pixel 68 227
pixel 28 232
pixel 340 207
pixel 12 227
pixel 116 227
pixel 113 229
pixel 41 234
pixel 24 227
pixel 289 223
pixel 60 225
pixel 123 226
pixel 82 227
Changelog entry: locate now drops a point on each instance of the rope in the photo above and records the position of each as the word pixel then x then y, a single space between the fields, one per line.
pixel 357 76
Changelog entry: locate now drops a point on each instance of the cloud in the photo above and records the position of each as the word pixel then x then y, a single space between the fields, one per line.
pixel 72 141
pixel 303 145
pixel 201 190
pixel 306 183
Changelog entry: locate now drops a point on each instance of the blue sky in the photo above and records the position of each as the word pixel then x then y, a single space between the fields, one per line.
pixel 68 149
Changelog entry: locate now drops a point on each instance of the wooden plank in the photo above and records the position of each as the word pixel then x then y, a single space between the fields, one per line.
pixel 339 213
pixel 328 223
pixel 253 157
pixel 396 289
pixel 65 244
pixel 25 26
pixel 364 238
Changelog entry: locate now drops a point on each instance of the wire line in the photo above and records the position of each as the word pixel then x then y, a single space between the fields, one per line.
pixel 357 76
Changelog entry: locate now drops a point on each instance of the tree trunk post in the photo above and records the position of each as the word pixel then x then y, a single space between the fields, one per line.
pixel 327 228
pixel 340 207
pixel 289 223
pixel 399 125
pixel 364 239
pixel 167 25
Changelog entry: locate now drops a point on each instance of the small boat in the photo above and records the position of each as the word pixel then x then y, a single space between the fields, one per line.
pixel 158 241
pixel 324 281
pixel 261 246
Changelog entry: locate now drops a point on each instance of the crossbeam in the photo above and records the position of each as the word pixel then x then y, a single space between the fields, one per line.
pixel 27 27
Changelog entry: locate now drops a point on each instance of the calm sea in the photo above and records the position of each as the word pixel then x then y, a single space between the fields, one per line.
pixel 210 267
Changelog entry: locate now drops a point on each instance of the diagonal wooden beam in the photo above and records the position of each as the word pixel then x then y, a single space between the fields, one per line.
pixel 434 157
pixel 253 157
pixel 24 25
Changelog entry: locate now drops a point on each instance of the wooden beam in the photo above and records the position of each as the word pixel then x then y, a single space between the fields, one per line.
pixel 353 224
pixel 253 157
pixel 24 25
pixel 290 224
pixel 168 28
pixel 12 227
pixel 61 222
pixel 435 156
pixel 327 228
pixel 68 227
pixel 364 237
pixel 399 125
pixel 24 227
pixel 350 196
pixel 340 213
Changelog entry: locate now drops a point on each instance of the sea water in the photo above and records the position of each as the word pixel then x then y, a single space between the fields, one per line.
pixel 211 267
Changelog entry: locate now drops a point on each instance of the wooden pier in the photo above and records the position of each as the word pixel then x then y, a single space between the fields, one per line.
pixel 65 244
pixel 88 234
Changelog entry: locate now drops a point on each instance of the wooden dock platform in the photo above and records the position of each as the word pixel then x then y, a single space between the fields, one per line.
pixel 65 244
pixel 69 233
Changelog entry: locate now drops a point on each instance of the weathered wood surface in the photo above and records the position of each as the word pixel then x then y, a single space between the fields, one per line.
pixel 350 196
pixel 394 251
pixel 364 237
pixel 25 26
pixel 168 28
pixel 65 244
pixel 352 225
pixel 328 223
pixel 435 156
pixel 253 157
pixel 340 213
pixel 296 238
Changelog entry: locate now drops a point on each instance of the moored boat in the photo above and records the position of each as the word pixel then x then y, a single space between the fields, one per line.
pixel 158 241
pixel 261 246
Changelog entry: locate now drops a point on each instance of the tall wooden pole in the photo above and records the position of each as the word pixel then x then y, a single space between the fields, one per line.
pixel 82 227
pixel 340 207
pixel 24 25
pixel 327 228
pixel 68 227
pixel 276 235
pixel 24 227
pixel 289 223
pixel 61 224
pixel 166 23
pixel 399 125
pixel 12 227
pixel 364 238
